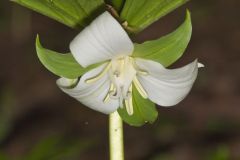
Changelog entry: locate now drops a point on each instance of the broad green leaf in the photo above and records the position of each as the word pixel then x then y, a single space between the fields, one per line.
pixel 141 13
pixel 63 65
pixel 117 4
pixel 143 111
pixel 167 49
pixel 73 13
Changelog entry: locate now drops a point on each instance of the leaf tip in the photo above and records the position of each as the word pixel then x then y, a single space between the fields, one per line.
pixel 38 43
pixel 188 19
pixel 188 14
pixel 39 50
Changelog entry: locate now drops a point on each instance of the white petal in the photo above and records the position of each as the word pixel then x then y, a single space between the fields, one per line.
pixel 102 40
pixel 92 95
pixel 167 87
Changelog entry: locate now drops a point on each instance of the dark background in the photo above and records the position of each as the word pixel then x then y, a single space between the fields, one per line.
pixel 37 119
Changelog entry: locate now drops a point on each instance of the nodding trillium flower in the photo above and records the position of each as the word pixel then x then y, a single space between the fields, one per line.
pixel 110 85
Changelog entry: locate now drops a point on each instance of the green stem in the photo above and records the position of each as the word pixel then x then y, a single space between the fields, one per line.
pixel 116 137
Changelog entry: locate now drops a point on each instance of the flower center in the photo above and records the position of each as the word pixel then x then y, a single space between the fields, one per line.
pixel 122 72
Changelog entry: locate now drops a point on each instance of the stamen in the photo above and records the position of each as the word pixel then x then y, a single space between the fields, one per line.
pixel 121 96
pixel 140 89
pixel 107 98
pixel 142 72
pixel 110 93
pixel 117 89
pixel 121 102
pixel 113 94
pixel 128 102
pixel 139 70
pixel 129 106
pixel 100 75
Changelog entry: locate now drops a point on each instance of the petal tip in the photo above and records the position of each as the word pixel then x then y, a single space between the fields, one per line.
pixel 66 83
pixel 200 65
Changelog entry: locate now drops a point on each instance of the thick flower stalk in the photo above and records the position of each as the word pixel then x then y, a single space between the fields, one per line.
pixel 110 85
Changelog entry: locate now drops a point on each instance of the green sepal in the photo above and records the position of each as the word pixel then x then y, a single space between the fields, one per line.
pixel 63 65
pixel 169 48
pixel 141 13
pixel 73 13
pixel 144 111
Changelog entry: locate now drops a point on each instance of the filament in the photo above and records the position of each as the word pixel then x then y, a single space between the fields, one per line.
pixel 140 89
pixel 99 76
pixel 142 72
pixel 111 92
pixel 129 103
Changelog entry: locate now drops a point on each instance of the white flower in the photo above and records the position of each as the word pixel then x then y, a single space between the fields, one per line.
pixel 109 86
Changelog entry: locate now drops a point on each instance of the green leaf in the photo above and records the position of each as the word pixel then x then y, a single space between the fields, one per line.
pixel 167 49
pixel 143 111
pixel 141 13
pixel 73 13
pixel 63 65
pixel 117 4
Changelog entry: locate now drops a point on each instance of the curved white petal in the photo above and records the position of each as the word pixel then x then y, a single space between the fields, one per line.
pixel 102 40
pixel 92 95
pixel 167 87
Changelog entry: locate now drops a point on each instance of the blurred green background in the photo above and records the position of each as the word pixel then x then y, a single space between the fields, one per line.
pixel 39 122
